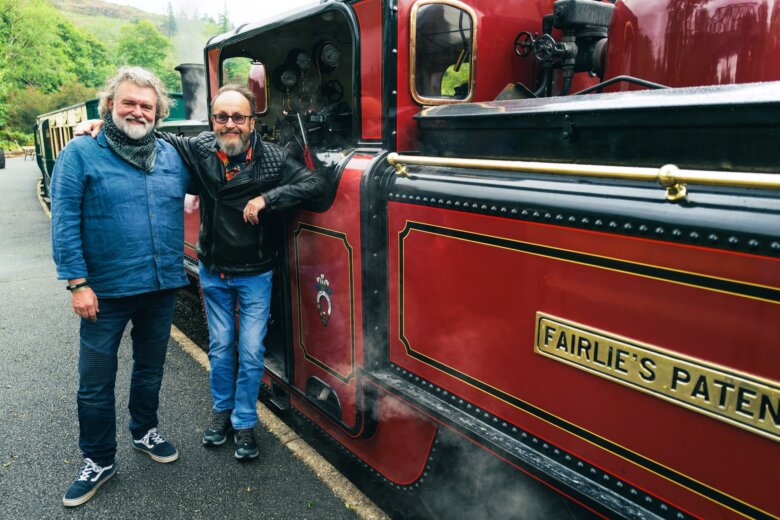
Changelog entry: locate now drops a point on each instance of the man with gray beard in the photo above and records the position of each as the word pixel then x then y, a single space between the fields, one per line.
pixel 118 240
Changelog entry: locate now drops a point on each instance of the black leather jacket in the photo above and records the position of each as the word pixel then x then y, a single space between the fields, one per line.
pixel 226 243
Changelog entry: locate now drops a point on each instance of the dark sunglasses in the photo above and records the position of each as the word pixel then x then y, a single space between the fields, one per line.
pixel 238 119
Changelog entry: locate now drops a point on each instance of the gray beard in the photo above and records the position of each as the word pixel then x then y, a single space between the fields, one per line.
pixel 233 147
pixel 132 131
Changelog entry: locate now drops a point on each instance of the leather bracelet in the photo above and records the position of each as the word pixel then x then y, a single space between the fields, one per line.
pixel 77 285
pixel 79 289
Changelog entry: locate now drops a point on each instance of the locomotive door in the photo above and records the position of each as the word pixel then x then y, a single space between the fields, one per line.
pixel 324 259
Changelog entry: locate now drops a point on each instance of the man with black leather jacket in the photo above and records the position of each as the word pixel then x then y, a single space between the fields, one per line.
pixel 243 183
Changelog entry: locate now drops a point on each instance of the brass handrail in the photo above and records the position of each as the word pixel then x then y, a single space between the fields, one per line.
pixel 669 176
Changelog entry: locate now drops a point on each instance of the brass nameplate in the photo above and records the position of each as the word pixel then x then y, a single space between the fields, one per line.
pixel 733 397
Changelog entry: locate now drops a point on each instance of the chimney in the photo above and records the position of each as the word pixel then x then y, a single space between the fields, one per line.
pixel 193 90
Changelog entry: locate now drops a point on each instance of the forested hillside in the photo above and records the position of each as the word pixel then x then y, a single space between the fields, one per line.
pixel 55 53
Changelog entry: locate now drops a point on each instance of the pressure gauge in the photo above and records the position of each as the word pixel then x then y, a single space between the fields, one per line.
pixel 303 61
pixel 289 78
pixel 329 55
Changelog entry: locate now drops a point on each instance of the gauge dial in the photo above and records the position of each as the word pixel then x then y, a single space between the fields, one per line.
pixel 303 61
pixel 329 55
pixel 289 78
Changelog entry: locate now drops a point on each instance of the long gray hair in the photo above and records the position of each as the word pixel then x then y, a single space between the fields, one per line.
pixel 140 77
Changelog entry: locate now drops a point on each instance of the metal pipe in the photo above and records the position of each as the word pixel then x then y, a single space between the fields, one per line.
pixel 668 176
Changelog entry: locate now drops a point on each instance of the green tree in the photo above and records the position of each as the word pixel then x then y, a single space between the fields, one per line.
pixel 88 57
pixel 40 52
pixel 31 52
pixel 141 44
pixel 170 22
pixel 224 20
pixel 73 93
pixel 25 105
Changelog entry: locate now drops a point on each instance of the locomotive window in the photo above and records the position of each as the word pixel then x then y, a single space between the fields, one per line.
pixel 442 52
pixel 250 73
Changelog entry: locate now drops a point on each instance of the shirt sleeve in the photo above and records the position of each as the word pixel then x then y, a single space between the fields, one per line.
pixel 67 193
pixel 184 145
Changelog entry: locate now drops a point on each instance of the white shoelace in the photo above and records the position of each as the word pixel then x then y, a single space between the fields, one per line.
pixel 151 438
pixel 89 469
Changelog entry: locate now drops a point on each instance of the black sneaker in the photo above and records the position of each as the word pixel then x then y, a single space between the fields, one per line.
pixel 90 479
pixel 156 447
pixel 216 434
pixel 246 447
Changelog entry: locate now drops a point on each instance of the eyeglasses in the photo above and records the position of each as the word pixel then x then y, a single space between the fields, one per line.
pixel 238 119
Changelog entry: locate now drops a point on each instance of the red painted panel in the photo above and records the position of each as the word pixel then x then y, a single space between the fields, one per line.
pixel 321 249
pixel 213 64
pixel 399 449
pixel 496 63
pixel 684 43
pixel 479 322
pixel 331 343
pixel 369 14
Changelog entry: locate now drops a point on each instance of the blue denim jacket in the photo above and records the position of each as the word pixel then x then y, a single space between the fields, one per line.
pixel 115 225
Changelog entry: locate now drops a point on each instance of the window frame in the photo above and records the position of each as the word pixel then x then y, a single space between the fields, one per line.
pixel 425 100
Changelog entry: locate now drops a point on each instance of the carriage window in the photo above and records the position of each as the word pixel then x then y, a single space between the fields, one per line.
pixel 442 52
pixel 250 73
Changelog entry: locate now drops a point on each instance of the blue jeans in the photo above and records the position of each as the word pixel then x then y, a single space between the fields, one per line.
pixel 253 295
pixel 151 315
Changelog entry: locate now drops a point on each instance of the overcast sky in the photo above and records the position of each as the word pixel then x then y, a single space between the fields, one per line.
pixel 239 11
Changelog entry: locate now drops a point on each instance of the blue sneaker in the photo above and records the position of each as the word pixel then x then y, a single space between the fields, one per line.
pixel 90 479
pixel 156 447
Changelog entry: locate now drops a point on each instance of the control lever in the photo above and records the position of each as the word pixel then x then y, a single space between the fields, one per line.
pixel 307 157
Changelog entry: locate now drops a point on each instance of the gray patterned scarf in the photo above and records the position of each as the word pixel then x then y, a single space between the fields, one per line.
pixel 138 152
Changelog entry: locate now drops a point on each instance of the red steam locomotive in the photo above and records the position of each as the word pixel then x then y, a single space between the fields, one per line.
pixel 554 235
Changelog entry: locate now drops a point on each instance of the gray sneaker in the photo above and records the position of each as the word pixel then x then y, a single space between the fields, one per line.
pixel 216 434
pixel 246 447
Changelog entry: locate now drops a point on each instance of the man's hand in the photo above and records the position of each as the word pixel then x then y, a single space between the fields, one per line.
pixel 253 209
pixel 90 126
pixel 85 303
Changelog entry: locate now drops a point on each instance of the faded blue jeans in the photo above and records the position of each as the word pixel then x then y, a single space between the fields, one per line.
pixel 151 315
pixel 231 391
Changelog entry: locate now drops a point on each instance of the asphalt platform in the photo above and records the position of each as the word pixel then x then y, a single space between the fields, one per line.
pixel 39 455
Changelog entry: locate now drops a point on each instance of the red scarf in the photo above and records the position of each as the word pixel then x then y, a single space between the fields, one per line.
pixel 232 172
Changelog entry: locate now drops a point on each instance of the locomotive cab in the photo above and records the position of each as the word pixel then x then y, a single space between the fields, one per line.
pixel 302 71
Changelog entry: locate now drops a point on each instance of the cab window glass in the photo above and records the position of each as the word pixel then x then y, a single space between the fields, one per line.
pixel 248 72
pixel 442 47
